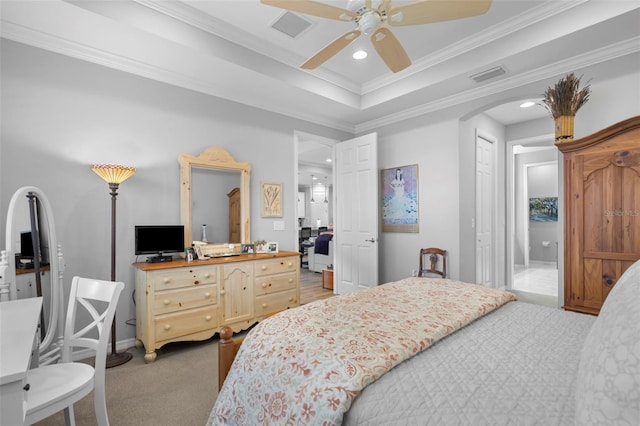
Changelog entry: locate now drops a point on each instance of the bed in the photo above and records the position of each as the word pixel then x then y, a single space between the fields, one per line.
pixel 434 351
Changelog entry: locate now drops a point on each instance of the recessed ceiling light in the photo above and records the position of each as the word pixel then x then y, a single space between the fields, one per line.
pixel 359 54
pixel 527 104
pixel 328 160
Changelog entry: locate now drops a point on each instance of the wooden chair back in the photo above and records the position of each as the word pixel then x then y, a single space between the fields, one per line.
pixel 433 261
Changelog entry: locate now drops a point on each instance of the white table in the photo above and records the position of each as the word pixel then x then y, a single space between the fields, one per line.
pixel 18 327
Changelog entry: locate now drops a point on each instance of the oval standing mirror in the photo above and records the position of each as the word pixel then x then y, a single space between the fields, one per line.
pixel 214 197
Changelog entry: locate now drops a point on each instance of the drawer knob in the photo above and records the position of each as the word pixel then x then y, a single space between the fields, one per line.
pixel 264 285
pixel 166 280
pixel 291 299
pixel 290 280
pixel 167 326
pixel 264 305
pixel 221 291
pixel 264 268
pixel 207 295
pixel 207 275
pixel 290 264
pixel 166 301
pixel 208 318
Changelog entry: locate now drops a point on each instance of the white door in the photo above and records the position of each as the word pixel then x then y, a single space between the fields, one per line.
pixel 484 212
pixel 356 221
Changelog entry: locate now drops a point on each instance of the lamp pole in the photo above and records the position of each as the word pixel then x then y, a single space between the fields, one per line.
pixel 114 176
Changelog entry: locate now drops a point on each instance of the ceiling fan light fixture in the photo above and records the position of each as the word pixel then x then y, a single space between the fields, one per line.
pixel 359 54
pixel 369 22
pixel 527 104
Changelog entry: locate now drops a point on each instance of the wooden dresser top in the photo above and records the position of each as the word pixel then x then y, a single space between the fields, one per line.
pixel 181 263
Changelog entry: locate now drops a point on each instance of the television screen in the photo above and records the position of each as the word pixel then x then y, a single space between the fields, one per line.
pixel 157 239
pixel 26 245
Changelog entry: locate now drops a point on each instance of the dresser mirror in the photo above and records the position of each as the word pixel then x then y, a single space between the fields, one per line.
pixel 214 192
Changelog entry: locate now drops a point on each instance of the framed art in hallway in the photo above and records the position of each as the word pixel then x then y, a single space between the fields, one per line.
pixel 399 199
pixel 543 209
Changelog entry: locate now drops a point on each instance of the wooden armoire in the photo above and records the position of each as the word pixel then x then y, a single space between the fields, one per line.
pixel 234 216
pixel 602 212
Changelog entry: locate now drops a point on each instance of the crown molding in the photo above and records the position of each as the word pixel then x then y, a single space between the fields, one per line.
pixel 595 57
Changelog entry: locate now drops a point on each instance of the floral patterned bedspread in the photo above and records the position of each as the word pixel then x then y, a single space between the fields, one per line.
pixel 306 365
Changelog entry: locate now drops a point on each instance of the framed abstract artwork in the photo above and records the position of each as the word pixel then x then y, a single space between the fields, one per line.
pixel 271 199
pixel 399 199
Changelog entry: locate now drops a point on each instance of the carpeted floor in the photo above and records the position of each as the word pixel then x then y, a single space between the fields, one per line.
pixel 179 388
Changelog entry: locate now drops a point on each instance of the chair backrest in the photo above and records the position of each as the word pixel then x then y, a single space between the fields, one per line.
pixel 433 261
pixel 305 233
pixel 100 299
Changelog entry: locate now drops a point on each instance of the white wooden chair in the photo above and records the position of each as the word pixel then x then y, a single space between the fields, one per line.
pixel 58 386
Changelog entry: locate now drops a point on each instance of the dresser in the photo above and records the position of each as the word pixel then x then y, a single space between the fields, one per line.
pixel 181 301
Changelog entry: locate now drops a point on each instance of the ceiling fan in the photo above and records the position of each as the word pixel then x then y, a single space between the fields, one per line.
pixel 372 18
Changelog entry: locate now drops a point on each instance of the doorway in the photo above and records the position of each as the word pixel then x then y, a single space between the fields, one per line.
pixel 313 188
pixel 536 233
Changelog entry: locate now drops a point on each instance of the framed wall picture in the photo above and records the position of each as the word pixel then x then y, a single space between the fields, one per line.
pixel 543 209
pixel 399 199
pixel 271 199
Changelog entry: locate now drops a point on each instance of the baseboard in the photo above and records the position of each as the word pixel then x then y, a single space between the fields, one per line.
pixel 121 345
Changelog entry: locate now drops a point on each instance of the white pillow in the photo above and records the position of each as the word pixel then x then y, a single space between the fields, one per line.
pixel 608 383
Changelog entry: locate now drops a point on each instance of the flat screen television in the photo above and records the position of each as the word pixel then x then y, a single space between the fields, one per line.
pixel 26 245
pixel 158 240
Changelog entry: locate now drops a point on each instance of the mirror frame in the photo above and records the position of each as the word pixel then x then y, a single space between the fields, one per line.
pixel 216 158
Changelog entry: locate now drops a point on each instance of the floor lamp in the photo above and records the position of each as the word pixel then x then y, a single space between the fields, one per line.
pixel 114 176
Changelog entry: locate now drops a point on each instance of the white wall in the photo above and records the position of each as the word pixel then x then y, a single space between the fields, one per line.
pixel 435 149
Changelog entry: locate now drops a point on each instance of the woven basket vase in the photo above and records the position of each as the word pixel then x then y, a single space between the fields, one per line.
pixel 564 128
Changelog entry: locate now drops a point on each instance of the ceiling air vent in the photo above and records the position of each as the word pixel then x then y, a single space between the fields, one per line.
pixel 488 74
pixel 291 24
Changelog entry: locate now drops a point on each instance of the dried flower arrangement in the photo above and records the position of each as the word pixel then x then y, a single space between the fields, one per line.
pixel 566 97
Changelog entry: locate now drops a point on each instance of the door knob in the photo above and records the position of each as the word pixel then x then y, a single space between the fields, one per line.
pixel 372 240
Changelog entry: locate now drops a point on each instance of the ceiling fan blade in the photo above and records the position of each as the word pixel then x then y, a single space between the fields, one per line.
pixel 428 11
pixel 313 8
pixel 390 50
pixel 330 50
pixel 379 5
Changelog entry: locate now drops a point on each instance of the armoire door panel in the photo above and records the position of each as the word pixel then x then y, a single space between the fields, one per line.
pixel 591 284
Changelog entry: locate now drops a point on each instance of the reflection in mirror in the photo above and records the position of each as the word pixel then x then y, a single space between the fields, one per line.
pixel 214 191
pixel 211 205
pixel 31 265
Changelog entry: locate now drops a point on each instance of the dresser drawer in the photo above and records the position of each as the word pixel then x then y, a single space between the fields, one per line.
pixel 186 298
pixel 276 266
pixel 192 321
pixel 274 283
pixel 184 277
pixel 272 303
